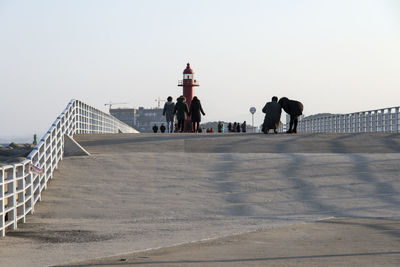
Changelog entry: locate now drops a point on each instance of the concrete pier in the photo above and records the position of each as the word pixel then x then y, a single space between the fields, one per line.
pixel 144 191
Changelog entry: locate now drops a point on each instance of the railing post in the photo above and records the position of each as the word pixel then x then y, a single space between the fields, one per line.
pixel 343 123
pixel 368 127
pixel 388 120
pixel 381 120
pixel 357 123
pixel 2 211
pixel 14 200
pixel 362 122
pixel 321 123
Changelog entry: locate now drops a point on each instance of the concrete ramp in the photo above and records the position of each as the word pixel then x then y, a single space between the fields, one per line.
pixel 141 191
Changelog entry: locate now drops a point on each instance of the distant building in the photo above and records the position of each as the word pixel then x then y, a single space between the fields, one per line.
pixel 126 115
pixel 141 119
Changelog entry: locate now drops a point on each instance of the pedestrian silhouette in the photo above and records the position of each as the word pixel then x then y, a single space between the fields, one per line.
pixel 195 113
pixel 168 112
pixel 272 117
pixel 294 109
pixel 181 111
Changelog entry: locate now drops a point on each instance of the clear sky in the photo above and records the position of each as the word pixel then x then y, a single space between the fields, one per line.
pixel 336 56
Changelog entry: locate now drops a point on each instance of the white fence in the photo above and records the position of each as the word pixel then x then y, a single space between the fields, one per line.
pixel 20 188
pixel 380 120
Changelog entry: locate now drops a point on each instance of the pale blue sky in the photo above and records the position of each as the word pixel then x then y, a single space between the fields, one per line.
pixel 334 56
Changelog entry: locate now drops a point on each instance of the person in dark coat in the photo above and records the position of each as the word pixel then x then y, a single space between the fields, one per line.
pixel 220 127
pixel 162 128
pixel 194 112
pixel 230 127
pixel 168 112
pixel 238 127
pixel 272 117
pixel 244 127
pixel 181 111
pixel 155 128
pixel 294 109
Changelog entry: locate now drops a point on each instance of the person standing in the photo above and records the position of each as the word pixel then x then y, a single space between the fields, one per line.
pixel 272 118
pixel 238 127
pixel 181 111
pixel 220 127
pixel 230 127
pixel 168 112
pixel 244 127
pixel 195 112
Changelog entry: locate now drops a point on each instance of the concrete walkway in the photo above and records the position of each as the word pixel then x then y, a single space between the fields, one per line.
pixel 334 242
pixel 142 191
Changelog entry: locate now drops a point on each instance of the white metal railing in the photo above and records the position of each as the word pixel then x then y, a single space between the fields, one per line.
pixel 380 120
pixel 20 188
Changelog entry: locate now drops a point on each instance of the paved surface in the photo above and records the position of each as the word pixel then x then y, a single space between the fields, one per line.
pixel 141 191
pixel 335 242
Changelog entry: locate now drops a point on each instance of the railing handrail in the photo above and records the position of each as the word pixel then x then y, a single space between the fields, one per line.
pixel 376 120
pixel 20 189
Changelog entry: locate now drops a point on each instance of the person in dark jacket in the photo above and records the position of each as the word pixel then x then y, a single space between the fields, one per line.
pixel 272 117
pixel 181 111
pixel 220 127
pixel 244 127
pixel 238 127
pixel 230 127
pixel 155 128
pixel 294 109
pixel 168 112
pixel 162 128
pixel 194 112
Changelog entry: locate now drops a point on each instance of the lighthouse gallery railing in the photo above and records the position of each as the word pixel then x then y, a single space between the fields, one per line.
pixel 20 188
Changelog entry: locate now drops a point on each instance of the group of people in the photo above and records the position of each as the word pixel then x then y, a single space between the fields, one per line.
pixel 273 112
pixel 182 112
pixel 236 127
pixel 271 109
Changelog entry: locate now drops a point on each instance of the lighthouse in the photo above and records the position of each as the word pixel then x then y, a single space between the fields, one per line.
pixel 188 83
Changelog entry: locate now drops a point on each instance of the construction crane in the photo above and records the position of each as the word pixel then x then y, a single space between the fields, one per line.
pixel 113 103
pixel 159 100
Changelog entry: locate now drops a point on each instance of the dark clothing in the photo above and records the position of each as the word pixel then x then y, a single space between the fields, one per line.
pixel 168 111
pixel 238 127
pixel 195 109
pixel 244 127
pixel 181 125
pixel 162 128
pixel 294 109
pixel 291 107
pixel 272 118
pixel 155 128
pixel 181 109
pixel 220 127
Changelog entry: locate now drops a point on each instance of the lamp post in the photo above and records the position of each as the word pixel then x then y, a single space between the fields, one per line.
pixel 252 111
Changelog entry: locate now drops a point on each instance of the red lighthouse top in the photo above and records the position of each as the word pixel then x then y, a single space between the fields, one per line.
pixel 188 79
pixel 188 70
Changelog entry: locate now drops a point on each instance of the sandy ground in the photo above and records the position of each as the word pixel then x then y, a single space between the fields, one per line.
pixel 137 192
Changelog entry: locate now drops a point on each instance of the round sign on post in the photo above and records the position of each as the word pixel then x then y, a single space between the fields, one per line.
pixel 252 111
